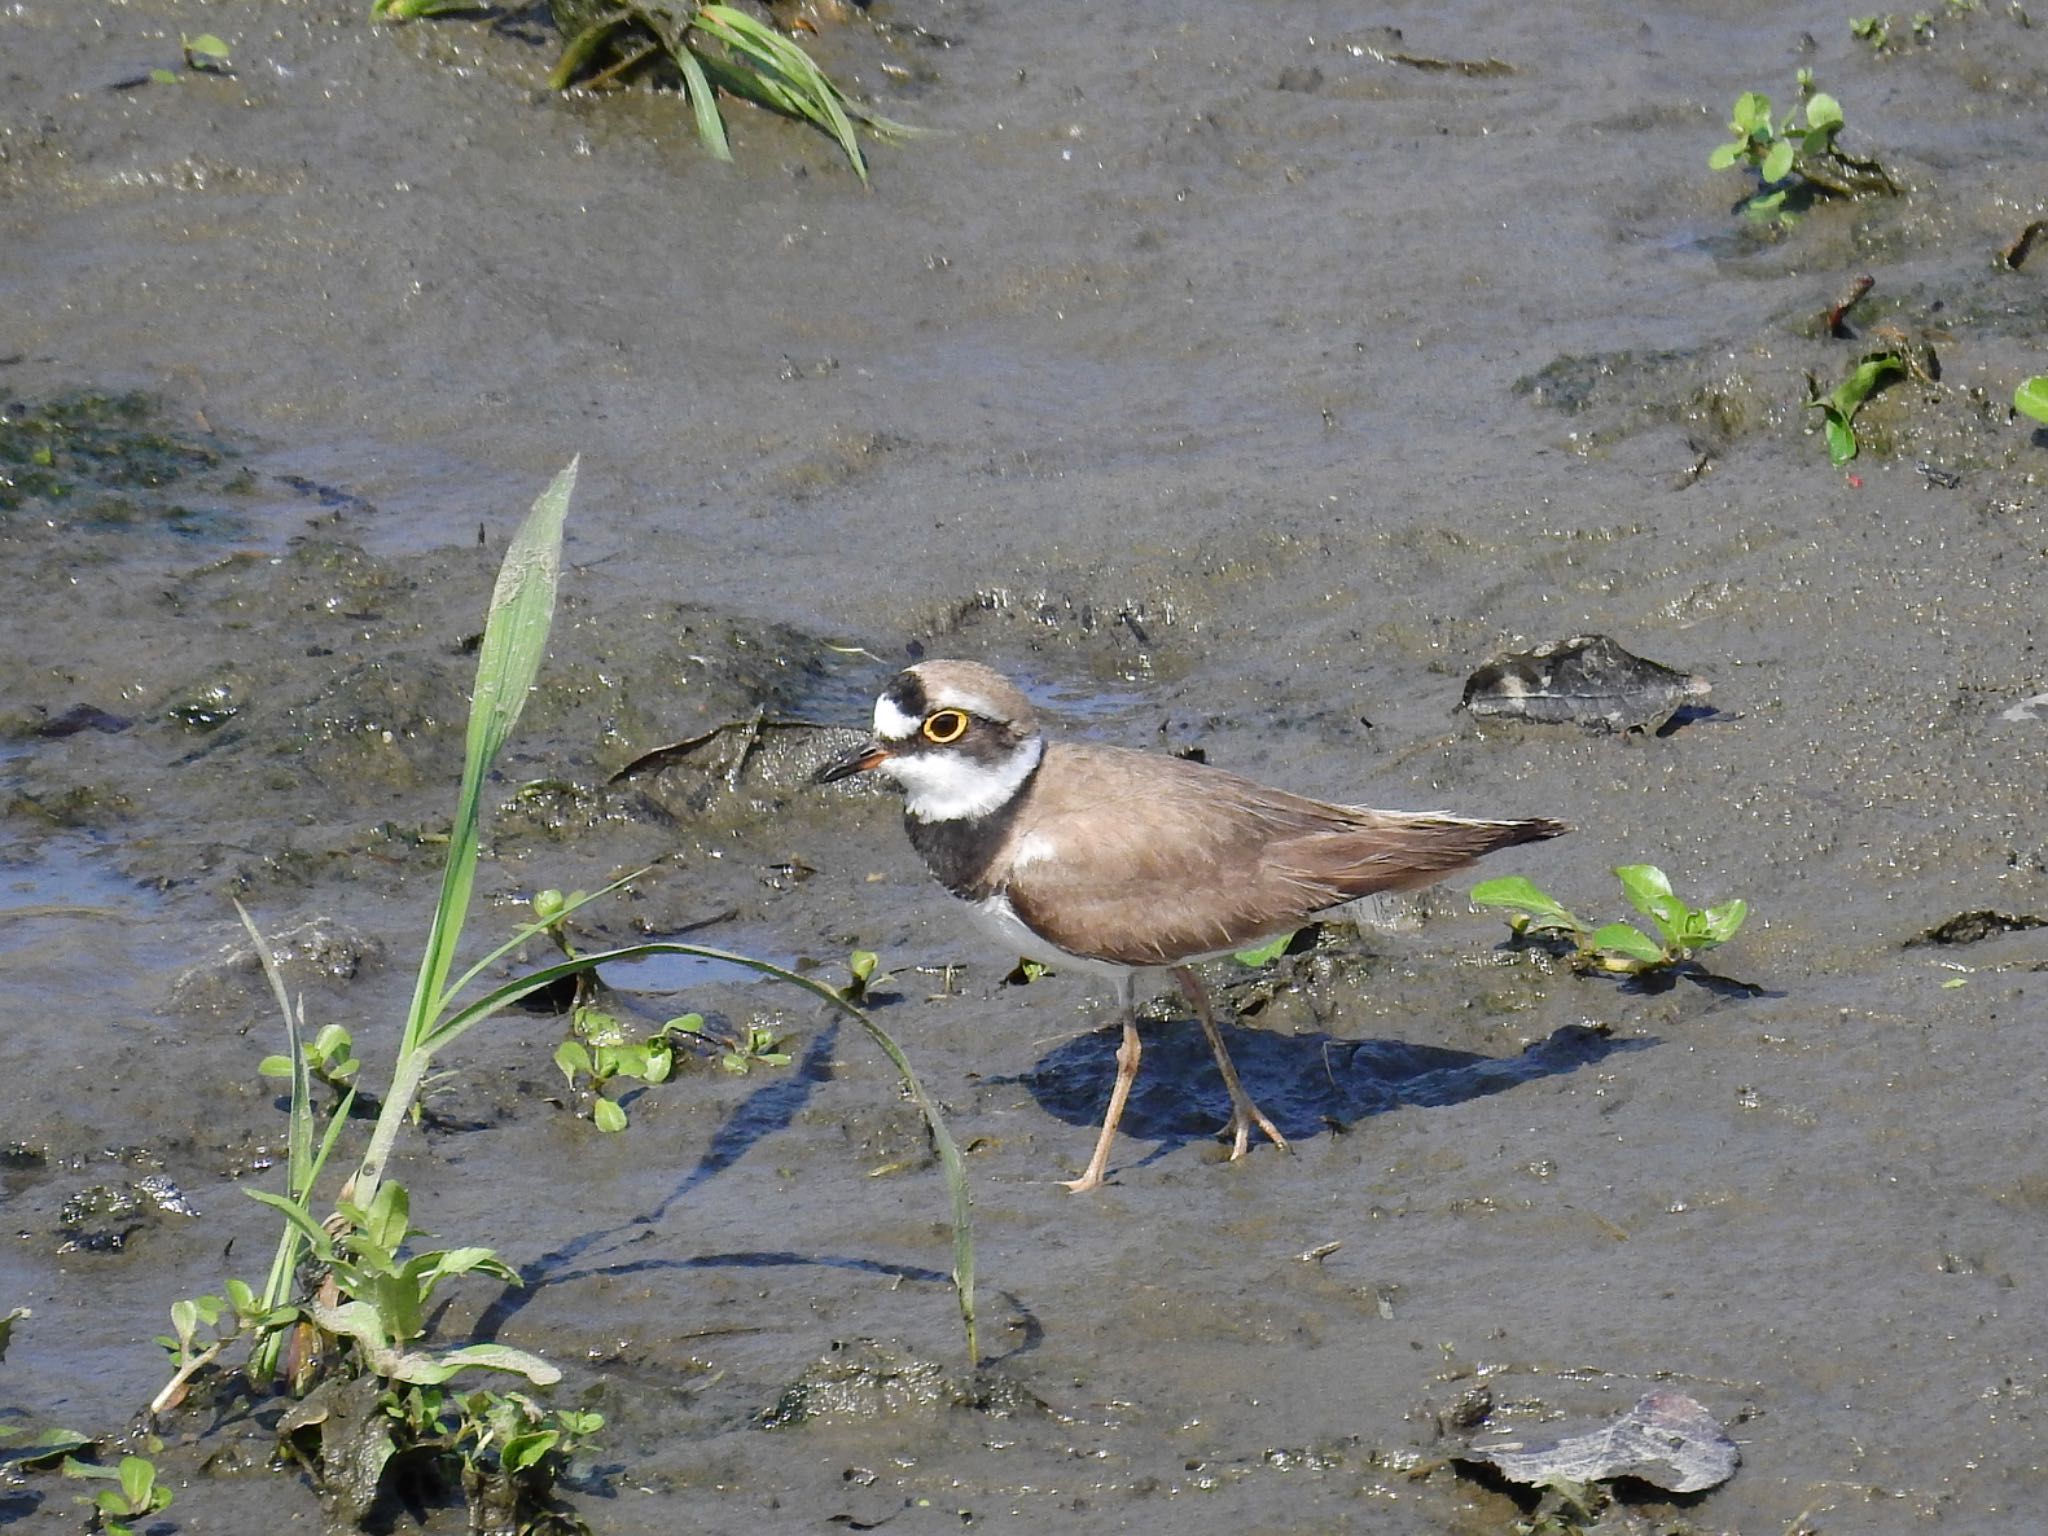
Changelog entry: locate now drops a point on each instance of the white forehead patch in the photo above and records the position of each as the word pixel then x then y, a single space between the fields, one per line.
pixel 891 724
pixel 943 786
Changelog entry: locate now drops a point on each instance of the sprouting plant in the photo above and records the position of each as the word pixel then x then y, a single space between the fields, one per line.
pixel 602 1047
pixel 330 1059
pixel 1839 406
pixel 1777 151
pixel 135 1494
pixel 1682 931
pixel 1874 30
pixel 2031 398
pixel 863 975
pixel 207 54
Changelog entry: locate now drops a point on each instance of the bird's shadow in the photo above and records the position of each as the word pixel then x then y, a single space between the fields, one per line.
pixel 1308 1084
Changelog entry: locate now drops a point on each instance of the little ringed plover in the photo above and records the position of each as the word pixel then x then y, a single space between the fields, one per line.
pixel 1117 861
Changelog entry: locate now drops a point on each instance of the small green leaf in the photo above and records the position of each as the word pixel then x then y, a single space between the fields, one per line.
pixel 599 1027
pixel 1628 941
pixel 1727 155
pixel 1841 439
pixel 138 1484
pixel 571 1058
pixel 1720 922
pixel 862 963
pixel 389 1217
pixel 1823 112
pixel 164 76
pixel 609 1117
pixel 46 1446
pixel 2031 398
pixel 274 1066
pixel 661 1060
pixel 1752 111
pixel 523 1451
pixel 1649 892
pixel 207 52
pixel 1778 162
pixel 1266 953
pixel 1522 895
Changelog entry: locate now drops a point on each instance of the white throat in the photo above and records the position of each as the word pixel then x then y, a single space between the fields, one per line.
pixel 940 786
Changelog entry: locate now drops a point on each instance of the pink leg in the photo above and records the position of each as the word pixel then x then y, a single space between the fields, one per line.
pixel 1126 1074
pixel 1244 1114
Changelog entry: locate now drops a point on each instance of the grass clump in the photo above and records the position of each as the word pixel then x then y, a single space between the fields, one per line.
pixel 1682 932
pixel 708 49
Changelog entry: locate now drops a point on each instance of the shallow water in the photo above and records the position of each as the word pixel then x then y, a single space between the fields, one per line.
pixel 1234 387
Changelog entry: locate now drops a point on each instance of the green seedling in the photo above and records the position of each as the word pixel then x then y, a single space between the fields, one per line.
pixel 136 1493
pixel 330 1059
pixel 759 1047
pixel 8 1319
pixel 603 1048
pixel 863 975
pixel 207 54
pixel 1874 30
pixel 2031 398
pixel 1779 151
pixel 1682 931
pixel 1839 406
pixel 715 49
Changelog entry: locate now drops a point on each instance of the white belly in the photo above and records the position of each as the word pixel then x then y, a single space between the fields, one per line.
pixel 996 918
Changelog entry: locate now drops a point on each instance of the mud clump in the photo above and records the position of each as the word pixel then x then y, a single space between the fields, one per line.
pixel 860 1380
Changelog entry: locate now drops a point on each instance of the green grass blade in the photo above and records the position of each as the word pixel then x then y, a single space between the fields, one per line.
pixel 299 1125
pixel 301 1166
pixel 581 51
pixel 704 103
pixel 528 931
pixel 782 62
pixel 515 635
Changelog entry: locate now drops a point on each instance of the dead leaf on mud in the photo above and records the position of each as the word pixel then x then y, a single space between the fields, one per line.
pixel 1667 1440
pixel 1588 681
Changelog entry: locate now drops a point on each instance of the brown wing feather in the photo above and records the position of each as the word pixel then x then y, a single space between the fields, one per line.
pixel 1172 859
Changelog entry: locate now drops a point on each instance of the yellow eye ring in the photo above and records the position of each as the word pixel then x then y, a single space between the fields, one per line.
pixel 944 727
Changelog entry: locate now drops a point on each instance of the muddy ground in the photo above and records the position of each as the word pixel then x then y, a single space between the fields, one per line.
pixel 1238 378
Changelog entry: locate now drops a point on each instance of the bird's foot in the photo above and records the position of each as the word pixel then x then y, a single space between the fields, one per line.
pixel 1239 1129
pixel 1092 1179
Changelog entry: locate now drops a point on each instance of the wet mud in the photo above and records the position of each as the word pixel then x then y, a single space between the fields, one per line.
pixel 1240 383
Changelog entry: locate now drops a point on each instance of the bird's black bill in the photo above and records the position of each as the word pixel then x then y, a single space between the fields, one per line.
pixel 859 760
